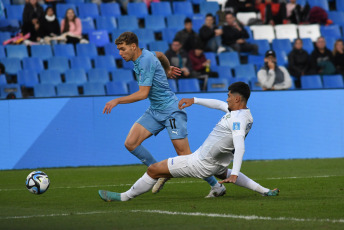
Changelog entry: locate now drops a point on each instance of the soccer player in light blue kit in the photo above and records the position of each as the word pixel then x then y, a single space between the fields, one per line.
pixel 150 69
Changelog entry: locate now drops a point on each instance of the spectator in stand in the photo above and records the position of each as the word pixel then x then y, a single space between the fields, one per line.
pixel 50 25
pixel 299 62
pixel 210 34
pixel 297 14
pixel 71 27
pixel 32 17
pixel 338 56
pixel 271 76
pixel 179 58
pixel 234 36
pixel 240 5
pixel 322 58
pixel 271 13
pixel 187 36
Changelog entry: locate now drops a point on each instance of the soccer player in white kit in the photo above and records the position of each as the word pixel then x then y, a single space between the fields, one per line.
pixel 224 144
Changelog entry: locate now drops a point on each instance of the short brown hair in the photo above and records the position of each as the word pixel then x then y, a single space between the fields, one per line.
pixel 128 38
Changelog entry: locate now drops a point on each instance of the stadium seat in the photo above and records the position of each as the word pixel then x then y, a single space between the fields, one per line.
pixel 145 35
pixel 87 25
pixel 44 90
pixel 337 17
pixel 15 12
pixel 340 5
pixel 111 49
pixel 94 89
pixel 257 60
pixel 217 84
pixel 67 90
pixel 10 25
pixel 12 65
pixel 4 36
pixel 161 46
pixel 223 72
pixel 263 32
pixel 110 9
pixel 301 2
pixel 173 85
pixel 98 75
pixel 183 8
pixel 282 58
pixel 175 21
pixel 50 76
pixel 64 50
pixel 168 34
pixel 311 82
pixel 75 1
pixel 44 52
pixel 333 81
pixel 81 62
pixel 206 7
pixel 286 31
pixel 236 79
pixel 244 17
pixel 127 65
pixel 27 78
pixel 197 22
pixel 133 87
pixel 309 31
pixel 137 9
pixel 245 71
pixel 321 3
pixel 161 8
pixel 282 44
pixel 99 38
pixel 230 59
pixel 331 31
pixel 107 23
pixel 33 64
pixel 124 75
pixel 76 76
pixel 263 45
pixel 188 85
pixel 116 88
pixel 115 33
pixel 10 88
pixel 16 51
pixel 3 80
pixel 155 23
pixel 105 62
pixel 330 41
pixel 212 57
pixel 308 45
pixel 88 10
pixel 88 50
pixel 2 52
pixel 60 64
pixel 61 9
pixel 254 85
pixel 127 22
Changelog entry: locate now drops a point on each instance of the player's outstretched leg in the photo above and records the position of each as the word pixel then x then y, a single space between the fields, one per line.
pixel 159 185
pixel 217 189
pixel 109 196
pixel 273 192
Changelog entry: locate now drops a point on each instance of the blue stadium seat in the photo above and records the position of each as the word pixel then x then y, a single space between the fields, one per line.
pixel 2 52
pixel 15 12
pixel 12 65
pixel 44 52
pixel 145 35
pixel 124 75
pixel 10 25
pixel 223 71
pixel 196 2
pixel 67 90
pixel 197 21
pixel 111 49
pixel 76 76
pixel 321 3
pixel 175 21
pixel 88 50
pixel 308 45
pixel 106 23
pixel 217 84
pixel 115 33
pixel 10 88
pixel 254 85
pixel 263 45
pixel 330 41
pixel 161 46
pixel 127 22
pixel 88 10
pixel 250 33
pixel 209 7
pixel 137 9
pixel 311 82
pixel 183 8
pixel 333 81
pixel 80 62
pixel 127 65
pixel 60 64
pixel 155 23
pixel 99 37
pixel 173 85
pixel 98 75
pixel 4 36
pixel 301 2
pixel 3 80
pixel 61 9
pixel 116 88
pixel 230 59
pixel 331 31
pixel 110 9
pixel 242 79
pixel 7 2
pixel 33 64
pixel 87 25
pixel 44 90
pixel 161 8
pixel 168 34
pixel 27 78
pixel 94 89
pixel 75 1
pixel 105 62
pixel 50 76
pixel 245 71
pixel 188 85
pixel 212 57
pixel 64 50
pixel 340 5
pixel 257 60
pixel 133 87
pixel 16 51
pixel 337 17
pixel 282 58
pixel 282 44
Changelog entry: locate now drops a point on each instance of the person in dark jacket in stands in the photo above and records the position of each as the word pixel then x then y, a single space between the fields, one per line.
pixel 338 56
pixel 322 58
pixel 187 36
pixel 299 62
pixel 50 25
pixel 210 34
pixel 32 17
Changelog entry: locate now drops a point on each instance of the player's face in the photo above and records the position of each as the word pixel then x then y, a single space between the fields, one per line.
pixel 230 100
pixel 126 51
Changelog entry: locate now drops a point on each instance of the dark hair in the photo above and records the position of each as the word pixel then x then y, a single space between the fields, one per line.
pixel 128 38
pixel 66 21
pixel 209 15
pixel 230 14
pixel 187 20
pixel 241 88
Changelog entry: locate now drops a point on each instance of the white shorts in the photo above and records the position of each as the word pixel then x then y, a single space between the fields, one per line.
pixel 192 166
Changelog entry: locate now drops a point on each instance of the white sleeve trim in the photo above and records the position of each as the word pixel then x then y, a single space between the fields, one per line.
pixel 239 146
pixel 212 103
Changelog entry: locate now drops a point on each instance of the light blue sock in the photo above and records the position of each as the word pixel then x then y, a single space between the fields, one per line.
pixel 211 180
pixel 144 155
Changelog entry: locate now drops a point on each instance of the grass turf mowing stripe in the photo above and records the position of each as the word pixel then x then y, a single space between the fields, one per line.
pixel 216 215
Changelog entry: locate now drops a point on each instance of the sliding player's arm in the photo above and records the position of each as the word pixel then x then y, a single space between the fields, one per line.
pixel 171 71
pixel 210 103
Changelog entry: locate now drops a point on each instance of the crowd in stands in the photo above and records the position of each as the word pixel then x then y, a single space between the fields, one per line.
pixel 201 43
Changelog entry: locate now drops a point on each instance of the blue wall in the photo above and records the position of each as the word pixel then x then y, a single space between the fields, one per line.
pixel 74 132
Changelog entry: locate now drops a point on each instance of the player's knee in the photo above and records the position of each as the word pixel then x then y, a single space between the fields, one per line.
pixel 152 171
pixel 130 145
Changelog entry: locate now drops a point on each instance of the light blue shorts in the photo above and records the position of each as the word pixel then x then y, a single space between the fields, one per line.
pixel 171 118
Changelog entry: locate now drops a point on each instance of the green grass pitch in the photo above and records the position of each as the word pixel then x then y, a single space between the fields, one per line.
pixel 311 197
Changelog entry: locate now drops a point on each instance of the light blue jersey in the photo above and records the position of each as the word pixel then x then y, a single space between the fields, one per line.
pixel 149 72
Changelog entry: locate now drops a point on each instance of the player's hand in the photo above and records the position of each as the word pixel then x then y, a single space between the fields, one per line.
pixel 231 179
pixel 108 106
pixel 185 102
pixel 174 72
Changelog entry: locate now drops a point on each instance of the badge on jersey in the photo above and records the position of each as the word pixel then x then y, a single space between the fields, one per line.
pixel 236 125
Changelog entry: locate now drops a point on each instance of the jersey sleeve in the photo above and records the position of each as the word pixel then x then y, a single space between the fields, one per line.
pixel 238 126
pixel 147 69
pixel 212 103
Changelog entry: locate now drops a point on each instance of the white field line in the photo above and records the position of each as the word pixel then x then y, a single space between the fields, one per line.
pixel 171 182
pixel 162 212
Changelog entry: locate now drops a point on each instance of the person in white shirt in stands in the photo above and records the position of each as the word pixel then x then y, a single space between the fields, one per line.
pixel 271 76
pixel 224 144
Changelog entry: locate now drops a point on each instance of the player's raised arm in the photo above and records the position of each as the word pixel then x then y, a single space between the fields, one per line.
pixel 171 71
pixel 185 102
pixel 210 103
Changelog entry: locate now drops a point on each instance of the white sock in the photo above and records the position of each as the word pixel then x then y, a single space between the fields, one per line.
pixel 246 182
pixel 142 185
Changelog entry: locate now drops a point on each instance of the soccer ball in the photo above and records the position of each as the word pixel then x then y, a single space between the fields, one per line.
pixel 37 182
